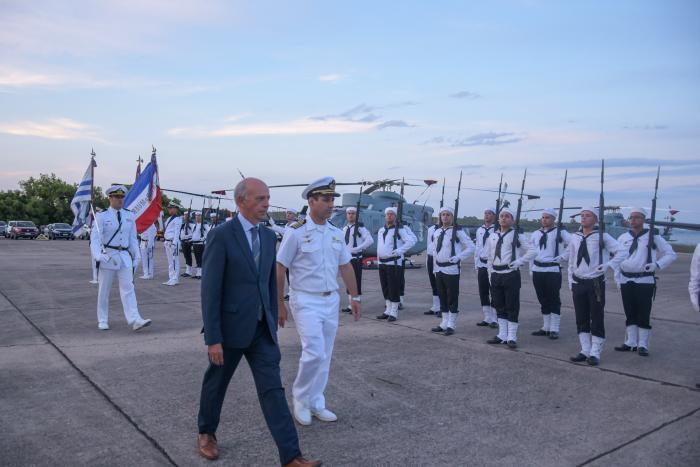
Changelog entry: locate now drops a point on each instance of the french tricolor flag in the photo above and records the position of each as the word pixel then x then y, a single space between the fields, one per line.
pixel 144 198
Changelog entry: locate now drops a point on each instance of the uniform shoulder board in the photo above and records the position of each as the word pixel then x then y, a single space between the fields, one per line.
pixel 127 210
pixel 298 224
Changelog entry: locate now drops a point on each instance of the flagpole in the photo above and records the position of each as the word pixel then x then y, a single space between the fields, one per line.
pixel 92 183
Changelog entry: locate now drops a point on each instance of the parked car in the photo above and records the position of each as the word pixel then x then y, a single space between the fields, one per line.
pixel 59 230
pixel 3 226
pixel 22 229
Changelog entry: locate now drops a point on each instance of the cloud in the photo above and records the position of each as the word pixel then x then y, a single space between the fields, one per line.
pixel 646 127
pixel 58 128
pixel 469 166
pixel 331 77
pixel 303 126
pixel 480 139
pixel 394 124
pixel 465 95
pixel 631 162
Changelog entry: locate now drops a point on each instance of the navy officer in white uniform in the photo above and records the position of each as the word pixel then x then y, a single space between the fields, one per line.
pixel 113 243
pixel 314 251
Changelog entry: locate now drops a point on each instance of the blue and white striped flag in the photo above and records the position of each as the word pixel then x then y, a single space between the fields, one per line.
pixel 80 205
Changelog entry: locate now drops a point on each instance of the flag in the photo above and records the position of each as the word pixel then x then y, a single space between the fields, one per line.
pixel 80 204
pixel 144 198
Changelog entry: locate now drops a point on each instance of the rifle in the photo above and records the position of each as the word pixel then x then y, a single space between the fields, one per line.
pixel 561 215
pixel 453 238
pixel 399 217
pixel 217 211
pixel 357 220
pixel 516 233
pixel 498 200
pixel 442 197
pixel 652 221
pixel 601 214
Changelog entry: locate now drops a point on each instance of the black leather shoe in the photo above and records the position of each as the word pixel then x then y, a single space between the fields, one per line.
pixel 383 316
pixel 495 340
pixel 623 348
pixel 512 345
pixel 579 358
pixel 346 310
pixel 449 331
pixel 593 361
pixel 493 325
pixel 540 332
pixel 482 324
pixel 644 352
pixel 184 274
pixel 391 319
pixel 429 312
pixel 553 335
pixel 437 329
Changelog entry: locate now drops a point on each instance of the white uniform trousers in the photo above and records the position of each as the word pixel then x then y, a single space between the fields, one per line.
pixel 126 292
pixel 95 272
pixel 147 260
pixel 172 253
pixel 316 320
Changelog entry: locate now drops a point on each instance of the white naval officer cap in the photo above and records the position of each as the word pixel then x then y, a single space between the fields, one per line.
pixel 447 209
pixel 590 209
pixel 550 212
pixel 292 210
pixel 212 215
pixel 507 211
pixel 390 209
pixel 351 209
pixel 173 204
pixel 641 211
pixel 493 210
pixel 322 186
pixel 117 190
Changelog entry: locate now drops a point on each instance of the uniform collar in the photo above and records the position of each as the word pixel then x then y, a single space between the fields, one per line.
pixel 111 209
pixel 311 225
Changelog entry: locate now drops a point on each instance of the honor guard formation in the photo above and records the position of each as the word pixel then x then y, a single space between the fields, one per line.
pixel 254 272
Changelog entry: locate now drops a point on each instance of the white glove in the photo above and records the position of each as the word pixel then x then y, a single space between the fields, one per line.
pixel 602 268
pixel 395 253
pixel 355 250
pixel 455 260
pixel 694 302
pixel 559 259
pixel 515 264
pixel 650 267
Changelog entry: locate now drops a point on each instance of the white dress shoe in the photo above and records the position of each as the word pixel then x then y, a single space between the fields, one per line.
pixel 324 415
pixel 94 282
pixel 141 323
pixel 103 326
pixel 166 283
pixel 302 414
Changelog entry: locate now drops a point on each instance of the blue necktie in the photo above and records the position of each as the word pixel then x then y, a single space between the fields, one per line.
pixel 255 247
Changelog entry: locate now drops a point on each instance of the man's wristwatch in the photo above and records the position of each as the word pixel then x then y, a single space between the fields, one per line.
pixel 357 299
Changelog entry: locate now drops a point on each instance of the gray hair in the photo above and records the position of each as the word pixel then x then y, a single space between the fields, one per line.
pixel 240 192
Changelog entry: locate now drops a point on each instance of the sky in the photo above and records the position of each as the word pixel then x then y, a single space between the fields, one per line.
pixel 293 91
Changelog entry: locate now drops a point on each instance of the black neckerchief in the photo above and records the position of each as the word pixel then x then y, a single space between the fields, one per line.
pixel 543 238
pixel 499 243
pixel 583 248
pixel 635 239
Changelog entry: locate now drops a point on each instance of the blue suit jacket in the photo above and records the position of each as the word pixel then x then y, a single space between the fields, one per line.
pixel 233 287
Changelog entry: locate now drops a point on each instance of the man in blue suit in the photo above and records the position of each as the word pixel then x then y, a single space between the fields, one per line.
pixel 239 309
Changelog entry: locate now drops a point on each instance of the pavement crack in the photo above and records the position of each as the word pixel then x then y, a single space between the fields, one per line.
pixel 92 383
pixel 640 437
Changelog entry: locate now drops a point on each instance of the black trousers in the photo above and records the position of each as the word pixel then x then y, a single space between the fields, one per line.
pixel 431 275
pixel 263 357
pixel 390 280
pixel 637 300
pixel 198 249
pixel 187 251
pixel 448 291
pixel 505 295
pixel 547 286
pixel 589 305
pixel 357 269
pixel 482 279
pixel 403 279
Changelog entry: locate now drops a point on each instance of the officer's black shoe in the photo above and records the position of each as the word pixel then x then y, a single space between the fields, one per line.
pixel 512 345
pixel 540 332
pixel 437 329
pixel 347 309
pixel 482 323
pixel 495 340
pixel 400 306
pixel 623 348
pixel 184 274
pixel 493 325
pixel 449 331
pixel 593 361
pixel 579 358
pixel 429 312
pixel 644 352
pixel 383 316
pixel 553 335
pixel 391 319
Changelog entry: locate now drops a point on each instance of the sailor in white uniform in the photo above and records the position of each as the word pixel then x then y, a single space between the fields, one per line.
pixel 171 235
pixel 482 270
pixel 314 252
pixel 636 279
pixel 199 237
pixel 291 215
pixel 694 282
pixel 357 240
pixel 185 238
pixel 113 243
pixel 429 265
pixel 148 242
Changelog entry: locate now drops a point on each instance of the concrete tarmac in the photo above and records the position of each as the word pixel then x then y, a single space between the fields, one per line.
pixel 72 395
